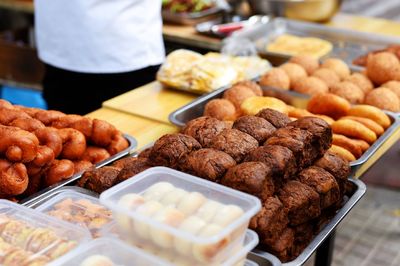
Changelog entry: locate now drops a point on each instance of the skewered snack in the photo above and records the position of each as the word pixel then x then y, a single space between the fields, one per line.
pixel 354 129
pixel 383 98
pixel 220 109
pixel 13 178
pixel 337 65
pixel 372 113
pixel 348 144
pixel 309 63
pixel 204 129
pixel 310 85
pixel 369 123
pixel 329 104
pixel 277 119
pixel 327 75
pixel 257 127
pixel 276 78
pixel 348 91
pixel 361 81
pixel 342 152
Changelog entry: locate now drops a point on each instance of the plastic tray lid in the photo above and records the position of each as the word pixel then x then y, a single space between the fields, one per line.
pixel 212 191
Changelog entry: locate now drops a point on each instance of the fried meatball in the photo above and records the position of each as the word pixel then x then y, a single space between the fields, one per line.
pixel 337 65
pixel 327 75
pixel 168 150
pixel 254 178
pixel 309 63
pixel 251 85
pixel 299 141
pixel 383 98
pixel 235 143
pixel 270 221
pixel 383 67
pixel 204 129
pixel 322 182
pixel 257 127
pixel 301 201
pixel 133 168
pixel 237 95
pixel 294 71
pixel 394 86
pixel 361 81
pixel 276 78
pixel 277 119
pixel 220 109
pixel 321 131
pixel 99 180
pixel 280 159
pixel 283 247
pixel 310 85
pixel 207 163
pixel 303 234
pixel 349 91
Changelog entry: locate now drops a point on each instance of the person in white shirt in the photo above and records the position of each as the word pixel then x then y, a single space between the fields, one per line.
pixel 94 50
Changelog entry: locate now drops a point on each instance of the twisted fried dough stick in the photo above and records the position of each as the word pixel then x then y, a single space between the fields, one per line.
pixel 81 166
pixel 117 144
pixel 28 124
pixel 50 137
pixel 45 116
pixel 9 115
pixel 95 154
pixel 18 145
pixel 6 104
pixel 13 178
pixel 74 143
pixel 58 171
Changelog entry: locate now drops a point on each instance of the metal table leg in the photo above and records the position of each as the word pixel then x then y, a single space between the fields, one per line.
pixel 323 256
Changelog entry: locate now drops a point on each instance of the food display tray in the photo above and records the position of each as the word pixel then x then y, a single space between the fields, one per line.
pixel 347 44
pixel 196 108
pixel 49 190
pixel 191 18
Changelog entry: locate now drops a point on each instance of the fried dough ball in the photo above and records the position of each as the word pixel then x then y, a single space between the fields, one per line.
pixel 394 86
pixel 383 98
pixel 361 81
pixel 251 85
pixel 310 85
pixel 276 118
pixel 342 152
pixel 383 67
pixel 276 78
pixel 220 109
pixel 328 104
pixel 257 127
pixel 254 105
pixel 372 113
pixel 349 91
pixel 354 129
pixel 309 63
pixel 294 71
pixel 237 95
pixel 327 75
pixel 337 65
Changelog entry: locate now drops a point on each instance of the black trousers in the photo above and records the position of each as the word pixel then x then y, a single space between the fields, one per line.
pixel 81 93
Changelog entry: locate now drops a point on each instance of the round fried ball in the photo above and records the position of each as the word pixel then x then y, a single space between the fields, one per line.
pixel 251 85
pixel 337 65
pixel 383 98
pixel 327 75
pixel 393 86
pixel 220 109
pixel 294 71
pixel 277 78
pixel 349 91
pixel 309 63
pixel 257 127
pixel 382 67
pixel 310 85
pixel 237 94
pixel 361 81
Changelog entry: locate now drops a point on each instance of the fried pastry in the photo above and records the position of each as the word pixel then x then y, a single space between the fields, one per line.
pixel 342 152
pixel 328 104
pixel 369 123
pixel 348 144
pixel 353 129
pixel 372 113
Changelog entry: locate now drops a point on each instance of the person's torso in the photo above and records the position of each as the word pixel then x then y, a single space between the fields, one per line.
pixel 99 36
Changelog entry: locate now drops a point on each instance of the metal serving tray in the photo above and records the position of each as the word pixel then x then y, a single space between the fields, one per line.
pixel 196 108
pixel 191 18
pixel 347 44
pixel 49 190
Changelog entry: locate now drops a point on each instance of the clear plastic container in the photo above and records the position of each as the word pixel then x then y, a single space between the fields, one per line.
pixel 190 219
pixel 78 208
pixel 28 237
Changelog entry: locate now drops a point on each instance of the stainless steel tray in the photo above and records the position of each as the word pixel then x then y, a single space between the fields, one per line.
pixel 49 190
pixel 196 108
pixel 347 44
pixel 359 192
pixel 191 18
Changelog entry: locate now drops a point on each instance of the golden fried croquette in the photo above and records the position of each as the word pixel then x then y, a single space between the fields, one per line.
pixel 327 119
pixel 310 85
pixel 251 85
pixel 337 65
pixel 237 94
pixel 369 123
pixel 347 143
pixel 309 63
pixel 298 112
pixel 394 86
pixel 362 143
pixel 277 78
pixel 349 91
pixel 220 109
pixel 383 67
pixel 328 104
pixel 342 152
pixel 327 75
pixel 372 113
pixel 253 105
pixel 294 71
pixel 383 98
pixel 353 129
pixel 361 81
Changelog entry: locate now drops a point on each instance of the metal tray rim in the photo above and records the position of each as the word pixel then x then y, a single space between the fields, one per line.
pixel 191 15
pixel 32 199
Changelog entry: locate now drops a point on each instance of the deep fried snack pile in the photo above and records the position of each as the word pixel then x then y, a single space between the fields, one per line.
pixel 40 148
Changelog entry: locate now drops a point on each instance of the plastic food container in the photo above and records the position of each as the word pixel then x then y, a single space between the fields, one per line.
pixel 195 221
pixel 78 208
pixel 28 237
